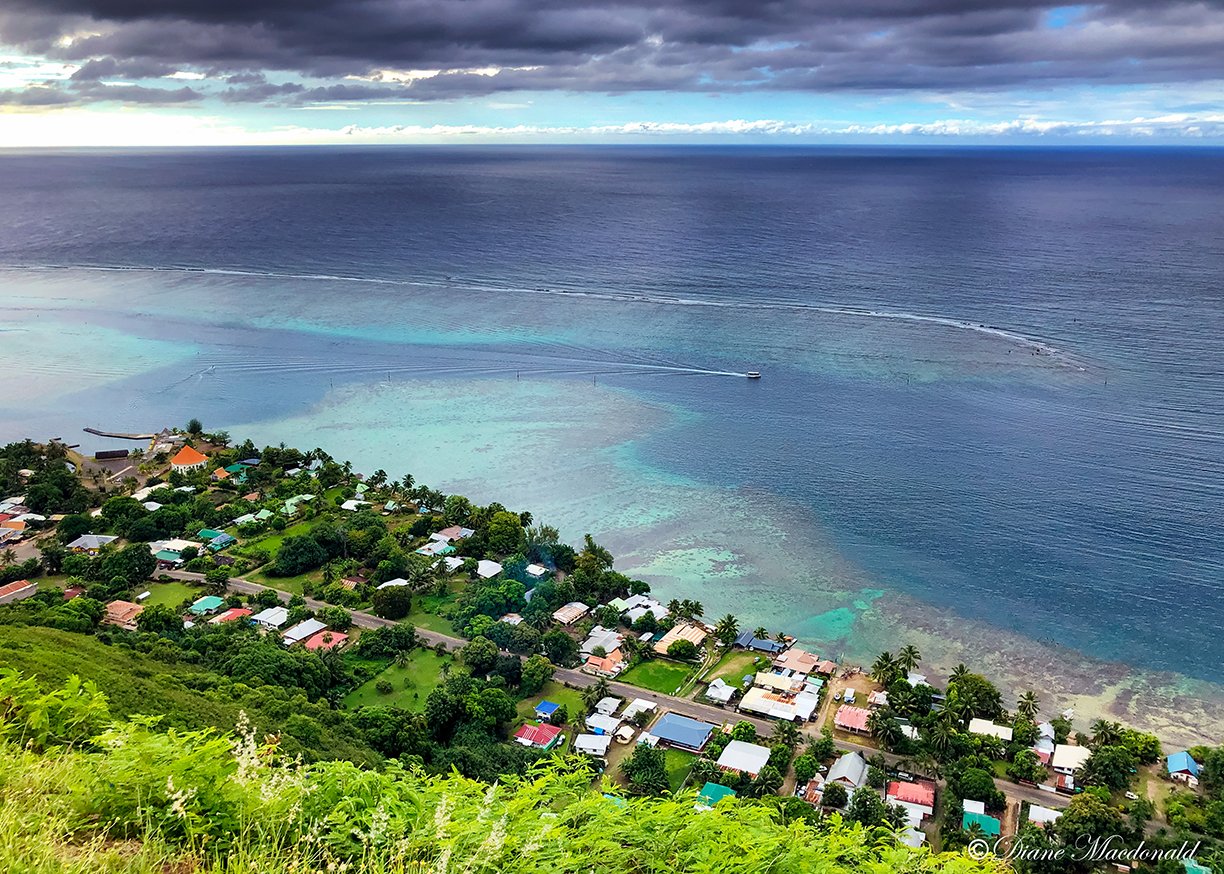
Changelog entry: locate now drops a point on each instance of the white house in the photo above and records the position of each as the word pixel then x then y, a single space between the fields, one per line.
pixel 593 744
pixel 486 569
pixel 303 630
pixel 986 728
pixel 744 757
pixel 273 617
pixel 1068 759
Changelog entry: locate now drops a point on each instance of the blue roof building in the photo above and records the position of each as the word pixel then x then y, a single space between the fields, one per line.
pixel 748 641
pixel 680 731
pixel 545 710
pixel 1182 764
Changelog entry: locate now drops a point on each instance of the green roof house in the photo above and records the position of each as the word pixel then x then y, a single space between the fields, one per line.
pixel 988 824
pixel 208 534
pixel 712 793
pixel 207 604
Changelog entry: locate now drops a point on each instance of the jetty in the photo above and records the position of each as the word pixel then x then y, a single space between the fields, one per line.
pixel 118 436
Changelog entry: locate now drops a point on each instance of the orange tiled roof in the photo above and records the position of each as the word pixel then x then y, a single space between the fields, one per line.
pixel 187 456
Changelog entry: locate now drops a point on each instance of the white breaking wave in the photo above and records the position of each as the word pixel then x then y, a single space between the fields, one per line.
pixel 1011 336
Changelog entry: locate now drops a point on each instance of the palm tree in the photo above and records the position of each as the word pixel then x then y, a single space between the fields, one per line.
pixel 1026 705
pixel 958 672
pixel 761 633
pixel 941 736
pixel 785 733
pixel 780 636
pixel 630 646
pixel 674 607
pixel 9 557
pixel 727 629
pixel 885 727
pixel 596 692
pixel 402 658
pixel 884 668
pixel 908 658
pixel 1105 733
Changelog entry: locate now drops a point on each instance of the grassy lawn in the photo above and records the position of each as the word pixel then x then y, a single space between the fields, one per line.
pixel 273 540
pixel 412 683
pixel 658 675
pixel 292 585
pixel 679 763
pixel 556 693
pixel 170 594
pixel 56 581
pixel 734 665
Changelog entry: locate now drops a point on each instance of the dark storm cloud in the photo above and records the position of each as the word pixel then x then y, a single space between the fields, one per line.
pixel 618 46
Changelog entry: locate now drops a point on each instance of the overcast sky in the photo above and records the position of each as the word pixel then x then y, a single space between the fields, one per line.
pixel 163 72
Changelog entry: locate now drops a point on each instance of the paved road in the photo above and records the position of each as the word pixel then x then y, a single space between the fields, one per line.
pixel 683 706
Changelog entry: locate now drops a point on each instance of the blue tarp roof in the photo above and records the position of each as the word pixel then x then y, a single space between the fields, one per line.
pixel 546 707
pixel 1182 762
pixel 681 730
pixel 748 641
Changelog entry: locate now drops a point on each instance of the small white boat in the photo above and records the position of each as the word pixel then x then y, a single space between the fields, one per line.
pixel 753 374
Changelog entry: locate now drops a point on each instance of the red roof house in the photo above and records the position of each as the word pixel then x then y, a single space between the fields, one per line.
pixel 326 640
pixel 230 615
pixel 543 737
pixel 850 718
pixel 913 793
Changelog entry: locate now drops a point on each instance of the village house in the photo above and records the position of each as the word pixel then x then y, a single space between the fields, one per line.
pixel 609 705
pixel 720 691
pixel 743 758
pixel 609 665
pixel 1042 816
pixel 694 634
pixel 536 571
pixel 1183 769
pixel 603 723
pixel 17 591
pixel 231 615
pixel 986 728
pixel 435 547
pixel 325 640
pixel 487 570
pixel 207 604
pixel 272 618
pixel 812 791
pixel 637 606
pixel 747 640
pixel 454 532
pixel 850 771
pixel 188 459
pixel 90 544
pixel 975 815
pixel 599 637
pixel 711 794
pixel 541 737
pixel 1044 747
pixel 795 707
pixel 592 744
pixel 571 612
pixel 681 732
pixel 917 799
pixel 545 710
pixel 303 630
pixel 850 718
pixel 122 614
pixel 636 706
pixel 1068 759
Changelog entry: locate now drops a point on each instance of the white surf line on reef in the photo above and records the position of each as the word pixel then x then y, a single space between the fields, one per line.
pixel 625 297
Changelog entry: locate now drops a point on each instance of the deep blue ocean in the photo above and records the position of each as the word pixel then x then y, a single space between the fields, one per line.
pixel 994 379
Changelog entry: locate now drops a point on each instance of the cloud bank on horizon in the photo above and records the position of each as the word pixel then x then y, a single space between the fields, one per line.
pixel 131 71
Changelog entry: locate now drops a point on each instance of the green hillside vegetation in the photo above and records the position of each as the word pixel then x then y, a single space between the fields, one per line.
pixel 81 793
pixel 184 696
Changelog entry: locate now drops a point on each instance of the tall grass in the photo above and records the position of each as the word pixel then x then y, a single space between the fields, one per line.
pixel 139 800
